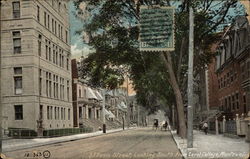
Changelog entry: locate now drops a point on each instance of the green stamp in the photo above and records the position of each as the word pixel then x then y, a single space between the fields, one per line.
pixel 156 28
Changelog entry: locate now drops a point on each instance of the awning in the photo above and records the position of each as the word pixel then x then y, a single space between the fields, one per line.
pixel 109 113
pixel 90 94
pixel 120 107
pixel 98 95
pixel 123 105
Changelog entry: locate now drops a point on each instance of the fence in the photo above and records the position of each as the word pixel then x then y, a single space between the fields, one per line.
pixel 21 133
pixel 65 132
pixel 212 126
pixel 27 133
pixel 230 127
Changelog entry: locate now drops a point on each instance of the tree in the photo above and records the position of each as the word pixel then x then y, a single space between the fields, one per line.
pixel 109 21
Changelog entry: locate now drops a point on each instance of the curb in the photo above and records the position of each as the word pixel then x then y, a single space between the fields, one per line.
pixel 32 145
pixel 177 144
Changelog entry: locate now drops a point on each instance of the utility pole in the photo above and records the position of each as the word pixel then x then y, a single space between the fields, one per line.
pixel 1 106
pixel 190 79
pixel 103 112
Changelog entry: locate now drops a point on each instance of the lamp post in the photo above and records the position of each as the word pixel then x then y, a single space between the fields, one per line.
pixel 103 112
pixel 1 106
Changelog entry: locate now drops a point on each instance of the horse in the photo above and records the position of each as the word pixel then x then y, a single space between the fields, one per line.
pixel 164 125
pixel 155 124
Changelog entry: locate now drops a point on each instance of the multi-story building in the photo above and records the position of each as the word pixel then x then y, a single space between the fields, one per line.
pixel 36 66
pixel 229 73
pixel 245 63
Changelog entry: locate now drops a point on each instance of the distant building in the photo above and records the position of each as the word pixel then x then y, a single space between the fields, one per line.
pixel 230 72
pixel 88 103
pixel 36 74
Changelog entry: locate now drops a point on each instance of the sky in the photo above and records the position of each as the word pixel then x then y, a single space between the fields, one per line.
pixel 78 48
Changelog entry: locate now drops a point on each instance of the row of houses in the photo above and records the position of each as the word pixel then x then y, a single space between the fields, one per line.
pixel 40 86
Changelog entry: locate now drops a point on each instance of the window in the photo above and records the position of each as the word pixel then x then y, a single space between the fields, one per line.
pixel 59 7
pixel 64 110
pixel 68 114
pixel 49 53
pixel 228 78
pixel 17 45
pixel 46 52
pixel 41 112
pixel 18 112
pixel 53 29
pixel 16 42
pixel 66 36
pixel 67 64
pixel 18 85
pixel 59 32
pixel 48 22
pixel 62 61
pixel 68 90
pixel 45 19
pixel 233 102
pixel 80 93
pixel 219 83
pixel 80 112
pixel 40 82
pixel 58 113
pixel 50 85
pixel 48 112
pixel 47 84
pixel 61 113
pixel 237 101
pixel 232 76
pixel 16 9
pixel 54 55
pixel 244 103
pixel 38 13
pixel 17 70
pixel 39 44
pixel 229 103
pixel 51 110
pixel 55 113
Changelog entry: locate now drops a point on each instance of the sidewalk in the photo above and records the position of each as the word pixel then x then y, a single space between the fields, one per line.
pixel 17 144
pixel 213 146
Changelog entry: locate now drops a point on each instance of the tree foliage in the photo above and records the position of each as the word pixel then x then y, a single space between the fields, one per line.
pixel 112 28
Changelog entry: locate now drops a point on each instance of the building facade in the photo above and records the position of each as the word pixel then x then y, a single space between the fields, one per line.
pixel 88 103
pixel 36 66
pixel 229 72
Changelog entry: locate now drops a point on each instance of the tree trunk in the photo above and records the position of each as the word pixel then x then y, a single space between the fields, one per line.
pixel 178 96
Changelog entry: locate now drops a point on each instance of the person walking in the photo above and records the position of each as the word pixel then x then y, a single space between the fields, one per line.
pixel 205 127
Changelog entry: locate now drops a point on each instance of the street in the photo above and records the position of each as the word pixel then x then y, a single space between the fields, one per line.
pixel 140 143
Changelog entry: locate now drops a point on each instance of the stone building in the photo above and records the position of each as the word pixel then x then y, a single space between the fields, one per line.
pixel 36 74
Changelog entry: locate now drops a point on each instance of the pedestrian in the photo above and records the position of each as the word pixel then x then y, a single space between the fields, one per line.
pixel 205 127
